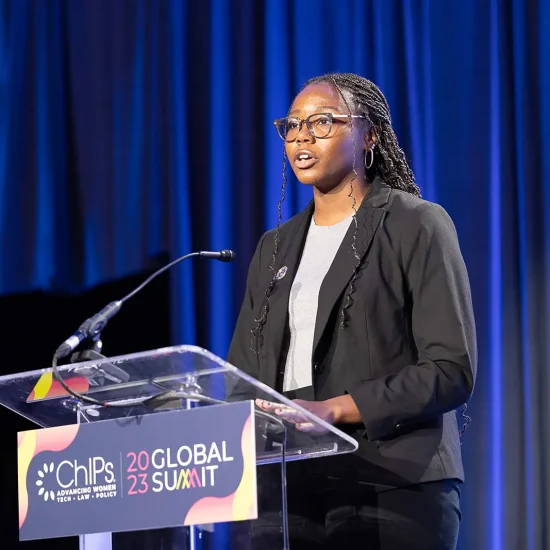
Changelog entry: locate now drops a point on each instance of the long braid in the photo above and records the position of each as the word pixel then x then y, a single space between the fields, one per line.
pixel 255 332
pixel 349 300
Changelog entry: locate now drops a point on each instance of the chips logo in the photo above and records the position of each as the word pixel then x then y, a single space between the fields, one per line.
pixel 70 480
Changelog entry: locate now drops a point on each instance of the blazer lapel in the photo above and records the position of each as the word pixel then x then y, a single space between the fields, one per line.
pixel 292 244
pixel 369 216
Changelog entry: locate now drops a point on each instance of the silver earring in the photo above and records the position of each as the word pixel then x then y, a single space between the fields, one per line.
pixel 371 160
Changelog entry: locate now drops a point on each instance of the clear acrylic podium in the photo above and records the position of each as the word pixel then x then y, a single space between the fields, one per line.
pixel 199 378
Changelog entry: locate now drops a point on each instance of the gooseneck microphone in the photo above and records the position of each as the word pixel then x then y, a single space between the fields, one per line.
pixel 92 327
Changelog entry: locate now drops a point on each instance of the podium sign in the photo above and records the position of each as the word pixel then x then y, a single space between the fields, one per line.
pixel 139 472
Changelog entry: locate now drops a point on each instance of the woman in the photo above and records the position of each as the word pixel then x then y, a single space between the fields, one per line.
pixel 359 307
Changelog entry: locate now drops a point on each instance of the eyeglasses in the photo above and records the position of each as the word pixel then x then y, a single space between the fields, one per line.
pixel 318 124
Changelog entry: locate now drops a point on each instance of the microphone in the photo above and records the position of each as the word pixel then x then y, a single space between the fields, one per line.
pixel 92 327
pixel 223 255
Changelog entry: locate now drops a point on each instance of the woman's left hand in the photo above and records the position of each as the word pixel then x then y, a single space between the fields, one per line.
pixel 322 409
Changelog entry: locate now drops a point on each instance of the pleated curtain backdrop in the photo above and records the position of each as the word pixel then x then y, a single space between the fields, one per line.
pixel 132 128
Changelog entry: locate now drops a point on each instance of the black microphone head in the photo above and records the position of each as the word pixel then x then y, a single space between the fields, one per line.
pixel 227 255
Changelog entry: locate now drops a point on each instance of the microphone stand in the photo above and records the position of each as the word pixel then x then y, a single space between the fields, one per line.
pixel 90 331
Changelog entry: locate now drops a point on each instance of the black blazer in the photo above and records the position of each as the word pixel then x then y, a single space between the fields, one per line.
pixel 407 354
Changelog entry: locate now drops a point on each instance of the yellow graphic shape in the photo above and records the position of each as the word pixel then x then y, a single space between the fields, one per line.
pixel 43 385
pixel 25 453
pixel 240 505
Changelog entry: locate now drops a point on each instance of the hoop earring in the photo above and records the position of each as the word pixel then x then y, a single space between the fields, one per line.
pixel 369 165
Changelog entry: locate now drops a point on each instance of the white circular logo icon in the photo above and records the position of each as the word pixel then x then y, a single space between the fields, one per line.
pixel 43 474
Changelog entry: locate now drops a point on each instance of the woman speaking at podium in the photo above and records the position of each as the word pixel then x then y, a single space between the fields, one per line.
pixel 359 308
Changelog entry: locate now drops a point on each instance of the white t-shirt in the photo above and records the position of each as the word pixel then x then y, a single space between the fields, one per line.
pixel 322 244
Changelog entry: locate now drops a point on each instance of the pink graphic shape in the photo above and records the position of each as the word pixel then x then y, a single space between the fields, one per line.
pixel 239 505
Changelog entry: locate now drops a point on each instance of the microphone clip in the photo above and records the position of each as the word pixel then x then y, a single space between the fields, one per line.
pixel 91 328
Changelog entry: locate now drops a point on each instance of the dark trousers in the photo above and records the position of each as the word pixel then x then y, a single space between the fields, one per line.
pixel 331 514
pixel 355 516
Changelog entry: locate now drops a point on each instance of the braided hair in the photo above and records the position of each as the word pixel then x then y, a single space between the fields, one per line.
pixel 389 162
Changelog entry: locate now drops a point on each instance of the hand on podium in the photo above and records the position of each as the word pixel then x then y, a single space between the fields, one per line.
pixel 322 409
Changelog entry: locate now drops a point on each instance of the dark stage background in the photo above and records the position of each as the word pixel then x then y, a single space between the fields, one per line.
pixel 133 128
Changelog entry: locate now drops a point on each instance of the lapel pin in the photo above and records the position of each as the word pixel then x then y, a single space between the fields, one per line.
pixel 281 273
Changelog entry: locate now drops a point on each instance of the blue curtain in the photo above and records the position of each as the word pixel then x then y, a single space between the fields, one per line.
pixel 130 128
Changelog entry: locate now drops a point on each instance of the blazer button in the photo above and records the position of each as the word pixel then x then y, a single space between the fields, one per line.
pixel 398 427
pixel 318 368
